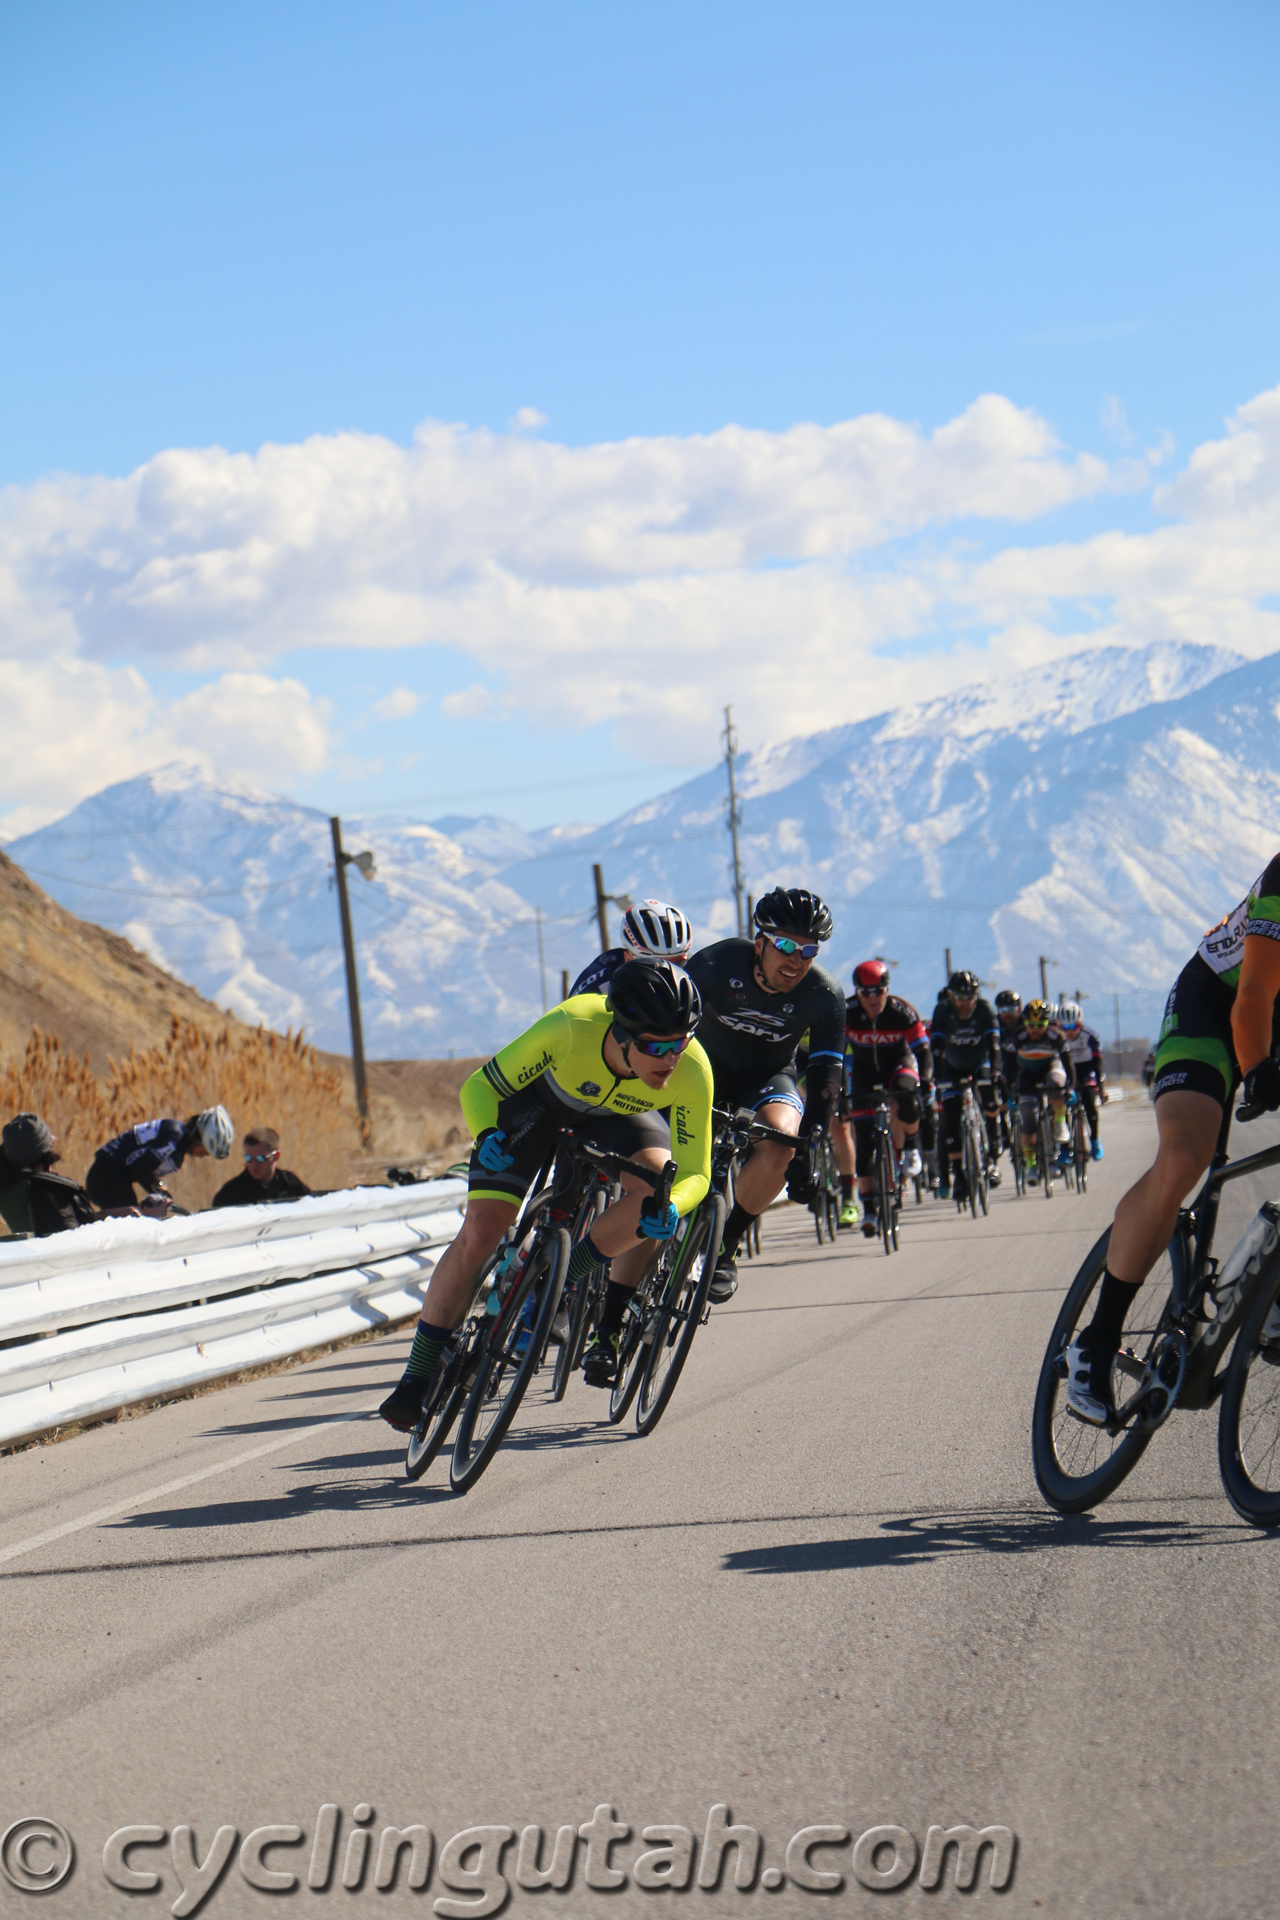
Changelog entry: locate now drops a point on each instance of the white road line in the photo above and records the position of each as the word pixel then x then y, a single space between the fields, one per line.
pixel 100 1514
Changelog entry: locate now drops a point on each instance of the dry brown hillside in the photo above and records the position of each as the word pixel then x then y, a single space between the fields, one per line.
pixel 100 996
pixel 90 987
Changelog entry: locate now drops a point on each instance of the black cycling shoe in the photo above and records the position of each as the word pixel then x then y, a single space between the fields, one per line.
pixel 600 1361
pixel 870 1223
pixel 724 1281
pixel 960 1188
pixel 402 1408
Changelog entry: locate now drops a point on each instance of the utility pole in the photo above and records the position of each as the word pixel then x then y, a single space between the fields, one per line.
pixel 948 954
pixel 602 916
pixel 341 861
pixel 1045 964
pixel 564 983
pixel 730 739
pixel 542 959
pixel 751 916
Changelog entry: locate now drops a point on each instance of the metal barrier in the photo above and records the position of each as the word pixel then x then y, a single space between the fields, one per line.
pixel 129 1310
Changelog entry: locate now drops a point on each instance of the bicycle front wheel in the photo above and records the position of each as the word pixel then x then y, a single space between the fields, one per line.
pixel 1249 1418
pixel 1047 1150
pixel 884 1192
pixel 505 1371
pixel 1078 1465
pixel 680 1309
pixel 1080 1149
pixel 430 1435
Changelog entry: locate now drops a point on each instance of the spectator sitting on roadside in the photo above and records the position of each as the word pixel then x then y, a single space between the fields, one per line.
pixel 33 1198
pixel 263 1177
pixel 152 1149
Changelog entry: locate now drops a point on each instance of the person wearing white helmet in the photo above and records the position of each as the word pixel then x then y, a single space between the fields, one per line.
pixel 1085 1050
pixel 650 927
pixel 152 1150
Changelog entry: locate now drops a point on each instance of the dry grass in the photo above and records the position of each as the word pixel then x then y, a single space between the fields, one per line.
pixel 263 1079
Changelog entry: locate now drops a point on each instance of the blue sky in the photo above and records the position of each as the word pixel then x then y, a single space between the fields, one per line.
pixel 236 225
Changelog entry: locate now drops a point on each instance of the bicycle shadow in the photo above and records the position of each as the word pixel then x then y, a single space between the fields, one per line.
pixel 922 1539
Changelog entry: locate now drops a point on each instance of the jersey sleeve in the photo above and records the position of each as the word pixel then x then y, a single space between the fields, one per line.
pixel 691 1131
pixel 1263 915
pixel 513 1068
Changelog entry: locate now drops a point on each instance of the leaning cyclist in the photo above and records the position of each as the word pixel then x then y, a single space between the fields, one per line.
pixel 1221 1026
pixel 149 1152
pixel 1043 1062
pixel 964 1036
pixel 650 927
pixel 1084 1049
pixel 759 998
pixel 886 1046
pixel 615 1060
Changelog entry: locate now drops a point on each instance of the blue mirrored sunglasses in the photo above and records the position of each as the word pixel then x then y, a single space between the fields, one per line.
pixel 807 949
pixel 659 1049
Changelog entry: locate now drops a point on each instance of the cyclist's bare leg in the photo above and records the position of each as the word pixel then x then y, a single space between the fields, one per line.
pixel 453 1283
pixel 1188 1125
pixel 765 1173
pixel 842 1146
pixel 617 1231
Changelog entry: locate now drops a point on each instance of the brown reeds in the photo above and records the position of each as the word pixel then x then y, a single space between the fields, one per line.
pixel 261 1078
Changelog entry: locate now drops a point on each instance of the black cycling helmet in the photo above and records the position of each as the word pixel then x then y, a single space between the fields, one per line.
pixel 1007 1001
pixel 794 910
pixel 653 996
pixel 964 984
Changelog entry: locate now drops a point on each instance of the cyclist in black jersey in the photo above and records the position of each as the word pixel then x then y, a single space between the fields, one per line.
pixel 759 998
pixel 886 1046
pixel 649 927
pixel 964 1035
pixel 1221 1026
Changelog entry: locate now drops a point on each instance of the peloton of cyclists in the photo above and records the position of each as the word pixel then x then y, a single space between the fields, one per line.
pixel 887 1045
pixel 964 1036
pixel 760 997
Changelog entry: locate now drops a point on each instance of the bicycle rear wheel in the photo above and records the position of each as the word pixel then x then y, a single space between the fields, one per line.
pixel 1046 1149
pixel 884 1192
pixel 972 1160
pixel 680 1308
pixel 1078 1465
pixel 504 1374
pixel 1249 1417
pixel 430 1434
pixel 1080 1149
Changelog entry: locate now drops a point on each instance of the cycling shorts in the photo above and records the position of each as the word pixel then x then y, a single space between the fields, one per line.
pixel 620 1133
pixel 1195 1052
pixel 107 1184
pixel 733 1092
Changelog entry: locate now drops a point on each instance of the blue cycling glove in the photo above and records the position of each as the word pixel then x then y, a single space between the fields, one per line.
pixel 491 1154
pixel 655 1224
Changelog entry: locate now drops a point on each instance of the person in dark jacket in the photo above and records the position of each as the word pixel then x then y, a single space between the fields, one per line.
pixel 33 1198
pixel 152 1149
pixel 263 1177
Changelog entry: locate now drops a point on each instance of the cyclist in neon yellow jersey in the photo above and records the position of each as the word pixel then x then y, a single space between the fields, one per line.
pixel 605 1065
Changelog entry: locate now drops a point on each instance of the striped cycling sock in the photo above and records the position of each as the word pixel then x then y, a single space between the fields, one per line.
pixel 585 1258
pixel 428 1344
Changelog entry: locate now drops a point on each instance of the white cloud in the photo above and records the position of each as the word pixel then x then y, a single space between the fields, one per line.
pixel 396 705
pixel 808 575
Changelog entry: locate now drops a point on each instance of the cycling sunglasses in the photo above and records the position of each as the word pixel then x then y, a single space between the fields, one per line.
pixel 662 1049
pixel 807 949
pixel 872 993
pixel 274 1155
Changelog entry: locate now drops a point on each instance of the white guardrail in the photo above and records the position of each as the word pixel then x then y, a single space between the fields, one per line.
pixel 127 1310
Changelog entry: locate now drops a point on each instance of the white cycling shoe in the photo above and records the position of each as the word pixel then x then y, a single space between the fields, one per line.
pixel 1081 1398
pixel 912 1164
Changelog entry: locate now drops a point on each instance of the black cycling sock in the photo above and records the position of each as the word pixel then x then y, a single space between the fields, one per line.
pixel 615 1301
pixel 846 1186
pixel 734 1228
pixel 585 1258
pixel 1115 1297
pixel 428 1344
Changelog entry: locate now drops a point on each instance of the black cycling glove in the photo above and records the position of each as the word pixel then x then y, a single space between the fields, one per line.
pixel 1262 1085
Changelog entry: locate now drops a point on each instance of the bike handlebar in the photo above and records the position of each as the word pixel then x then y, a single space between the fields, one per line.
pixel 745 1122
pixel 617 1163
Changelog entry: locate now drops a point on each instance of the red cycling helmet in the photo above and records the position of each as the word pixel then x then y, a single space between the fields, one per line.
pixel 871 973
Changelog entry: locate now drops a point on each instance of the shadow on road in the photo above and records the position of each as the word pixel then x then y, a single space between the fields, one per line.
pixel 923 1538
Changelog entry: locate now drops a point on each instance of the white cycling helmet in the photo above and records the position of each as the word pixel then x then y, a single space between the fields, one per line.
pixel 216 1131
pixel 1070 1014
pixel 651 926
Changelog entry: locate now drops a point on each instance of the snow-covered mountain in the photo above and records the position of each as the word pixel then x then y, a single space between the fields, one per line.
pixel 1101 812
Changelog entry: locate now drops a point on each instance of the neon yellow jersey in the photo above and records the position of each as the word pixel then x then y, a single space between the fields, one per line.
pixel 565 1050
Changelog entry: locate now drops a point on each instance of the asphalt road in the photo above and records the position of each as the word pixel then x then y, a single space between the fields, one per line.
pixel 824 1594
